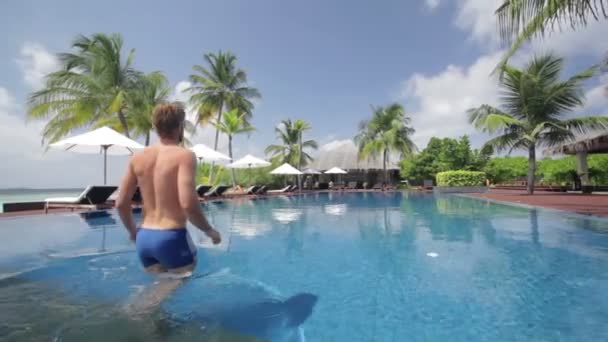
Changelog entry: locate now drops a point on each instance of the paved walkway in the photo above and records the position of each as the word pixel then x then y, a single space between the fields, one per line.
pixel 596 204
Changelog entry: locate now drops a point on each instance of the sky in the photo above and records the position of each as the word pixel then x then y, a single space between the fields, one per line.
pixel 326 62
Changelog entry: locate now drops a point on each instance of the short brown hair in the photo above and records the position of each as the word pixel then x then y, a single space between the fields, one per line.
pixel 167 118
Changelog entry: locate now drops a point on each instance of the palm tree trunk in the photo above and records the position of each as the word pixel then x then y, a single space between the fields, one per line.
pixel 384 156
pixel 123 123
pixel 230 155
pixel 300 162
pixel 531 168
pixel 217 138
pixel 148 138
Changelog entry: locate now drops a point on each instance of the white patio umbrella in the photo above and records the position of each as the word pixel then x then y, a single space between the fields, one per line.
pixel 311 171
pixel 248 162
pixel 335 171
pixel 286 169
pixel 102 140
pixel 205 153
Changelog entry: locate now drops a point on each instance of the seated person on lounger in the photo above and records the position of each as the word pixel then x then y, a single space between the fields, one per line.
pixel 165 175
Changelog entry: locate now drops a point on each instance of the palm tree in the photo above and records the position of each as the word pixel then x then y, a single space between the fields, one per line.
pixel 386 132
pixel 94 83
pixel 220 84
pixel 291 149
pixel 534 101
pixel 233 123
pixel 522 20
pixel 151 90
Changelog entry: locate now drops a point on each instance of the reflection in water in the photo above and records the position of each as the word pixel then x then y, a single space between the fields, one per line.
pixel 336 209
pixel 286 215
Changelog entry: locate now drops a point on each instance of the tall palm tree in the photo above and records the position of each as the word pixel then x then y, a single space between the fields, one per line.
pixel 291 147
pixel 534 100
pixel 522 20
pixel 218 85
pixel 151 90
pixel 233 123
pixel 94 83
pixel 387 131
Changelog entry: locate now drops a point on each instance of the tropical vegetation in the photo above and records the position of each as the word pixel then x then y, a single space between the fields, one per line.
pixel 292 148
pixel 220 85
pixel 94 84
pixel 387 132
pixel 522 20
pixel 443 155
pixel 461 178
pixel 534 101
pixel 231 124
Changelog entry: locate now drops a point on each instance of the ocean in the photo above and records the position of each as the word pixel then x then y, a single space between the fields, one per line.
pixel 33 195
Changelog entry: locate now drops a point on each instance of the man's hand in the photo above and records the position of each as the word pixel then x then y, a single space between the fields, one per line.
pixel 214 235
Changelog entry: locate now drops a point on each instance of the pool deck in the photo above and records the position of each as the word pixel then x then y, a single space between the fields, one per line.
pixel 594 204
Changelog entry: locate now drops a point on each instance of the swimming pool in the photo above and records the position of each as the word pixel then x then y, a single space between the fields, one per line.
pixel 384 267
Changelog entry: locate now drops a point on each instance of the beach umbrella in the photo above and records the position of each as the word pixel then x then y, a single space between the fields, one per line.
pixel 103 140
pixel 286 169
pixel 311 171
pixel 248 162
pixel 335 171
pixel 205 153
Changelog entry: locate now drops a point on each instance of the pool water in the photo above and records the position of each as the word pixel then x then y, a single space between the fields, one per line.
pixel 382 267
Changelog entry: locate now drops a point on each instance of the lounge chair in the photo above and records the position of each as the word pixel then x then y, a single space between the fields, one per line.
pixel 201 190
pixel 262 190
pixel 252 190
pixel 216 191
pixel 94 197
pixel 351 186
pixel 378 186
pixel 293 188
pixel 280 191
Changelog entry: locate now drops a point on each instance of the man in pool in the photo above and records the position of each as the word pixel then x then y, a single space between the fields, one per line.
pixel 165 175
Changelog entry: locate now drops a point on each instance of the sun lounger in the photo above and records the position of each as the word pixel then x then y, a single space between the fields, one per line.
pixel 262 190
pixel 216 191
pixel 201 189
pixel 293 188
pixel 280 191
pixel 351 186
pixel 94 197
pixel 378 186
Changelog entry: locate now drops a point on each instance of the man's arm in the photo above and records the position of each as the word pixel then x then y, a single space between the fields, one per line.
pixel 128 186
pixel 188 198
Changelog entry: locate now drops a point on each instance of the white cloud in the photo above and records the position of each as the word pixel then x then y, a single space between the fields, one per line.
pixel 26 164
pixel 334 144
pixel 35 61
pixel 442 99
pixel 477 17
pixel 431 4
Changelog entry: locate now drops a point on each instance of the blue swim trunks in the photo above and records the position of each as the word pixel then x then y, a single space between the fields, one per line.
pixel 171 248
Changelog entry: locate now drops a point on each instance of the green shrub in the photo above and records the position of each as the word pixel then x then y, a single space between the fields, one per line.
pixel 461 178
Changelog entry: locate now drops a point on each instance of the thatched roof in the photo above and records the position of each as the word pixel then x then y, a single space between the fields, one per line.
pixel 593 142
pixel 344 154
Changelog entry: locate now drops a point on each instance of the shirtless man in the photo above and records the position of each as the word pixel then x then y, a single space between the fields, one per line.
pixel 165 175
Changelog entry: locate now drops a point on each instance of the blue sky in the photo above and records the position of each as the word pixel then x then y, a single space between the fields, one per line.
pixel 322 61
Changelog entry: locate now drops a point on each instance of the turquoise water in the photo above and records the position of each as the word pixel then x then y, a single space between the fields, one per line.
pixel 33 195
pixel 383 267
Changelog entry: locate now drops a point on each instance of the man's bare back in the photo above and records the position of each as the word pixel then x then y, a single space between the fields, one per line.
pixel 157 173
